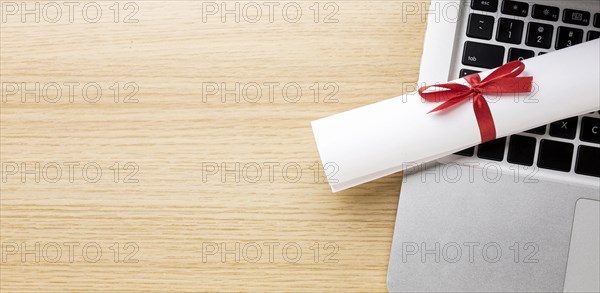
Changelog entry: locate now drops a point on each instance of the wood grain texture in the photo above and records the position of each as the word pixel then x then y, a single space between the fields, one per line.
pixel 178 209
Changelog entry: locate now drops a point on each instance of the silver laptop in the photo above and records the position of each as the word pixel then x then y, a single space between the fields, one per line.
pixel 518 214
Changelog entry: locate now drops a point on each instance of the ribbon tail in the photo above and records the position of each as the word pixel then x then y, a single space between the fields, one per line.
pixel 450 103
pixel 487 128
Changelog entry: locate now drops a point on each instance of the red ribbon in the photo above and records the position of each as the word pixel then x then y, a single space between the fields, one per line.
pixel 503 80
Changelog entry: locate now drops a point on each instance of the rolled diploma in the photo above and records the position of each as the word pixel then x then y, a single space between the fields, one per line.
pixel 376 140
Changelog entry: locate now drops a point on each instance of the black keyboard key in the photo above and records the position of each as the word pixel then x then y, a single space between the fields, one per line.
pixel 539 35
pixel 592 35
pixel 538 130
pixel 597 20
pixel 467 152
pixel 483 55
pixel 576 17
pixel 541 53
pixel 519 54
pixel 480 26
pixel 492 150
pixel 555 155
pixel 567 37
pixel 509 30
pixel 590 130
pixel 521 150
pixel 515 8
pixel 588 161
pixel 564 128
pixel 465 72
pixel 545 12
pixel 485 5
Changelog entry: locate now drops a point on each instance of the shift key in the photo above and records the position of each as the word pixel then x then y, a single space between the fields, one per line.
pixel 482 55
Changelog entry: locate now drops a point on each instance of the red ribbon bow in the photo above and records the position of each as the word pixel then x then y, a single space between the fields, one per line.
pixel 502 81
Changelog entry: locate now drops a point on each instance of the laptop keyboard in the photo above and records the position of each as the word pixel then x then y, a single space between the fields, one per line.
pixel 523 30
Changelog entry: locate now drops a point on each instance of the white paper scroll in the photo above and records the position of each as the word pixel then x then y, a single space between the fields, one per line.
pixel 386 137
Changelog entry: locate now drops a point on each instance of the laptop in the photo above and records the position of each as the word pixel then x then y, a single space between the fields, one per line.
pixel 517 214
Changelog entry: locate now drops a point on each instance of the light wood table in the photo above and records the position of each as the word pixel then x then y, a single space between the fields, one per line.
pixel 166 212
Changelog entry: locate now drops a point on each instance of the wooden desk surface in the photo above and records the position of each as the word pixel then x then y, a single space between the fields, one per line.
pixel 166 212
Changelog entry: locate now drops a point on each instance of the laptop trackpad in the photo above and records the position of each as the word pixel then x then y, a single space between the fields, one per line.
pixel 583 267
